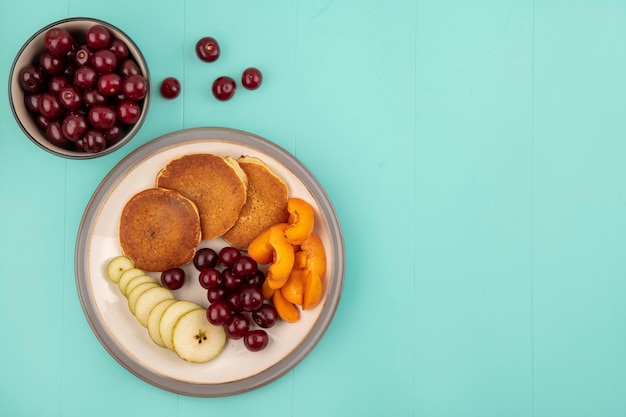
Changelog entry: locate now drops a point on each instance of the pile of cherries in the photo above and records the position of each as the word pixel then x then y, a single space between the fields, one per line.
pixel 85 90
pixel 233 282
pixel 224 87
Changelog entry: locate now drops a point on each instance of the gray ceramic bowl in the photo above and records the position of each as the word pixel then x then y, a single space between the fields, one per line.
pixel 29 54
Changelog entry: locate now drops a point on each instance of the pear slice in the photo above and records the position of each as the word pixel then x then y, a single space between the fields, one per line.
pixel 117 266
pixel 133 283
pixel 154 318
pixel 127 276
pixel 195 339
pixel 147 300
pixel 170 318
pixel 137 291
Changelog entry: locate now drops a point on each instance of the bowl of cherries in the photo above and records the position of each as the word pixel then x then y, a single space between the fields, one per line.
pixel 79 88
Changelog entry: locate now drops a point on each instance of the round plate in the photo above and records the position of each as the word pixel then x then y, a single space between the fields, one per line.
pixel 235 370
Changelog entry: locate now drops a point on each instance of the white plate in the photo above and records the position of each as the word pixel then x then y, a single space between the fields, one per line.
pixel 236 370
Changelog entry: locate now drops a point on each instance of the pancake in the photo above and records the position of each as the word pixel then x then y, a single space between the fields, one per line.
pixel 159 229
pixel 265 206
pixel 216 185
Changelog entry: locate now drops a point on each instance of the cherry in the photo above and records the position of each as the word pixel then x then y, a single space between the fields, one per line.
pixel 114 134
pixel 32 79
pixel 218 313
pixel 51 64
pixel 58 41
pixel 215 294
pixel 31 101
pixel 71 98
pixel 128 67
pixel 55 135
pixel 85 77
pixel 109 84
pixel 128 112
pixel 224 88
pixel 103 61
pixel 236 326
pixel 119 48
pixel 210 278
pixel 92 96
pixel 83 55
pixel 170 88
pixel 266 316
pixel 207 49
pixel 135 87
pixel 256 340
pixel 251 78
pixel 94 141
pixel 98 37
pixel 74 126
pixel 102 117
pixel 57 82
pixel 173 278
pixel 49 106
pixel 205 258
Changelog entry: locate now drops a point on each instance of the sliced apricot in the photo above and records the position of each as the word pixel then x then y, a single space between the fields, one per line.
pixel 313 289
pixel 315 254
pixel 283 258
pixel 267 290
pixel 301 220
pixel 293 290
pixel 285 309
pixel 299 261
pixel 260 248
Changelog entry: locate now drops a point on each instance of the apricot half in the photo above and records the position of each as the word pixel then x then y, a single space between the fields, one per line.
pixel 301 220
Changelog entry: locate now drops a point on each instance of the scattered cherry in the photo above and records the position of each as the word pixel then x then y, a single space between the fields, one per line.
pixel 224 88
pixel 210 278
pixel 173 278
pixel 228 255
pixel 251 298
pixel 237 326
pixel 208 49
pixel 256 340
pixel 205 258
pixel 218 313
pixel 251 78
pixel 170 88
pixel 265 316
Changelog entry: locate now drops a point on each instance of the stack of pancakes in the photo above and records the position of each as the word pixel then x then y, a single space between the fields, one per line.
pixel 200 197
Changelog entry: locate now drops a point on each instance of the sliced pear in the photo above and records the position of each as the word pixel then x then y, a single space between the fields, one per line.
pixel 146 302
pixel 117 266
pixel 170 318
pixel 137 291
pixel 154 319
pixel 127 276
pixel 141 279
pixel 195 339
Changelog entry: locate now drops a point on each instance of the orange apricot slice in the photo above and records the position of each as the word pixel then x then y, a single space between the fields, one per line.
pixel 260 248
pixel 293 290
pixel 315 254
pixel 268 291
pixel 283 258
pixel 301 220
pixel 312 290
pixel 285 309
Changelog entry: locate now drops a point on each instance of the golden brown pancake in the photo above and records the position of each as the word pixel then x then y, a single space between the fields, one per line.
pixel 265 206
pixel 159 229
pixel 216 185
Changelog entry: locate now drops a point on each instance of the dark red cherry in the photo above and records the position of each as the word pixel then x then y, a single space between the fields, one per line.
pixel 85 77
pixel 119 48
pixel 58 41
pixel 94 141
pixel 170 88
pixel 207 49
pixel 74 126
pixel 71 98
pixel 32 79
pixel 224 88
pixel 51 64
pixel 251 78
pixel 49 106
pixel 82 56
pixel 128 67
pixel 98 37
pixel 135 87
pixel 102 117
pixel 103 61
pixel 55 135
pixel 128 112
pixel 109 84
